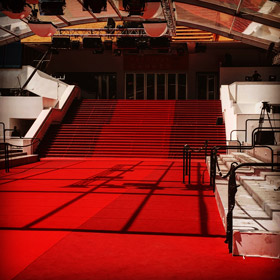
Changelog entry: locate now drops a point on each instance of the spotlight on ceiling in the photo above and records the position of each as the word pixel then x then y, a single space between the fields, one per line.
pixel 51 7
pixel 96 6
pixel 134 7
pixel 93 43
pixel 14 6
pixel 25 13
pixel 126 43
pixel 61 42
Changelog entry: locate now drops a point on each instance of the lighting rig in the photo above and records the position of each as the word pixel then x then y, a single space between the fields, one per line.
pixel 95 6
pixel 51 7
pixel 134 7
pixel 14 6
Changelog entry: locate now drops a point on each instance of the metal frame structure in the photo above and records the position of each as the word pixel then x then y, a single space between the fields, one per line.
pixel 173 14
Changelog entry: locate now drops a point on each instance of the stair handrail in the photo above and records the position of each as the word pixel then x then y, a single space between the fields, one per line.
pixel 214 159
pixel 255 130
pixel 6 151
pixel 246 128
pixel 232 190
pixel 187 153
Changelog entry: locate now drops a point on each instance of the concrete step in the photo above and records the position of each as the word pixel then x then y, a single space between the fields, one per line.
pixel 256 216
pixel 19 160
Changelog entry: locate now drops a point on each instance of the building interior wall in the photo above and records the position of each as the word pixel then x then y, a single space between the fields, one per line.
pixel 209 60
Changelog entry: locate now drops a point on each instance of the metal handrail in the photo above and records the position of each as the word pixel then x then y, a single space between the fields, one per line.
pixel 232 190
pixel 265 128
pixel 246 127
pixel 214 161
pixel 187 153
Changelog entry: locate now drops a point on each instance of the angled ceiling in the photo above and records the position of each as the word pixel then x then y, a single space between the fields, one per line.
pixel 253 22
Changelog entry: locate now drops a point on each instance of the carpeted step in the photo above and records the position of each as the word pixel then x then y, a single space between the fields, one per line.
pixel 140 128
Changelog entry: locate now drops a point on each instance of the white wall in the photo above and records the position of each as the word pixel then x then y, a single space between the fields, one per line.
pixel 255 92
pixel 44 85
pixel 52 94
pixel 41 84
pixel 19 107
pixel 242 101
pixel 228 111
pixel 12 78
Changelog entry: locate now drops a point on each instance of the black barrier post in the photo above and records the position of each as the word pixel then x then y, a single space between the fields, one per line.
pixel 184 164
pixel 190 162
pixel 232 189
pixel 206 149
pixel 211 167
pixel 7 167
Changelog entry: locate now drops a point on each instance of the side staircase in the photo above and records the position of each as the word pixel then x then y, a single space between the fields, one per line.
pixel 16 157
pixel 134 128
pixel 256 215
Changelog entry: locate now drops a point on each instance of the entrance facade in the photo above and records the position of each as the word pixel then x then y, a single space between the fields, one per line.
pixel 156 86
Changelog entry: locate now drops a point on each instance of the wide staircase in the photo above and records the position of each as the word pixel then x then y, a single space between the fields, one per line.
pixel 134 128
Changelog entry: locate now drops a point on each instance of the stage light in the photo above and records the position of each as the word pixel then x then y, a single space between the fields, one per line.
pixel 25 13
pixel 134 7
pixel 126 43
pixel 93 43
pixel 96 6
pixel 61 42
pixel 51 7
pixel 14 6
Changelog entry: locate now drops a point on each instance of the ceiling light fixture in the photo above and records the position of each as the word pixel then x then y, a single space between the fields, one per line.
pixel 51 7
pixel 95 6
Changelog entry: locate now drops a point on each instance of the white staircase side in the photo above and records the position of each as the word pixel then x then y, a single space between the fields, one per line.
pixel 256 215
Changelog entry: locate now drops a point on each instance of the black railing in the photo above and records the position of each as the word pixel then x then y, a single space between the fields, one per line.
pixel 187 158
pixel 214 159
pixel 232 190
pixel 246 127
pixel 5 146
pixel 258 129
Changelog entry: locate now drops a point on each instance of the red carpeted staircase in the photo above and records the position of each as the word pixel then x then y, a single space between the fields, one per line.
pixel 134 128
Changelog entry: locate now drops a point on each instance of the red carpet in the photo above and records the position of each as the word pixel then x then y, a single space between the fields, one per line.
pixel 115 219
